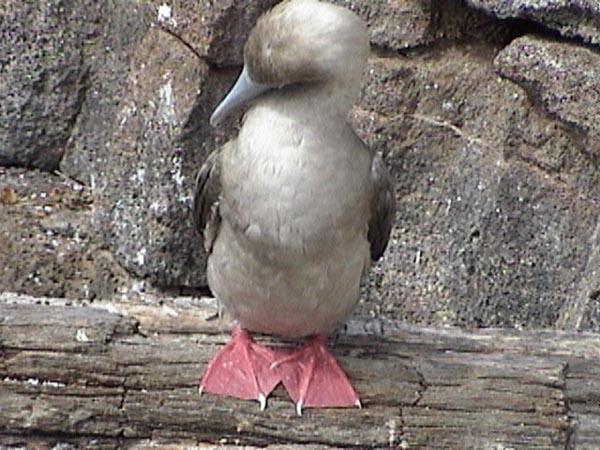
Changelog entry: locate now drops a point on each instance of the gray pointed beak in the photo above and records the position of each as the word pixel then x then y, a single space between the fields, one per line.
pixel 241 93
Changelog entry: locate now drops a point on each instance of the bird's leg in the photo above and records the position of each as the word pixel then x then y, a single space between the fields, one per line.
pixel 242 369
pixel 216 315
pixel 312 376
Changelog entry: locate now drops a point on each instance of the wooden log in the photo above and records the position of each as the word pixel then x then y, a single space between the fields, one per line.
pixel 125 376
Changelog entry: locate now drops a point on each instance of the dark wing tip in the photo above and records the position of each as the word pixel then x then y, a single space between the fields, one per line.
pixel 383 208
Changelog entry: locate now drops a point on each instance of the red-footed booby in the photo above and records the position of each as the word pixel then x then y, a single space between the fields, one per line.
pixel 294 208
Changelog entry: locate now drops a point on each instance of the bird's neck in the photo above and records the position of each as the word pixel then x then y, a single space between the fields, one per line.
pixel 312 103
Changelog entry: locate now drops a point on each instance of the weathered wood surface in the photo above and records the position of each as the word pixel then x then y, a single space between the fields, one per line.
pixel 125 375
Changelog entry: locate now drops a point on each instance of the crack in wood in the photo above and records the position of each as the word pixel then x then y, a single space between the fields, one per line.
pixel 572 424
pixel 423 386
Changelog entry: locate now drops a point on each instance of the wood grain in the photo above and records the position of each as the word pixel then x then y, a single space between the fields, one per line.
pixel 124 375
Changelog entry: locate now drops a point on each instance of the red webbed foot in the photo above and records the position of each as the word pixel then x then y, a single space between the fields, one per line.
pixel 313 377
pixel 242 369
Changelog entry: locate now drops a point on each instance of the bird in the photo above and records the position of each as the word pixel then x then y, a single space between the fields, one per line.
pixel 294 209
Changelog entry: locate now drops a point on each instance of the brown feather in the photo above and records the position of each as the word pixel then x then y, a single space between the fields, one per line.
pixel 383 208
pixel 206 199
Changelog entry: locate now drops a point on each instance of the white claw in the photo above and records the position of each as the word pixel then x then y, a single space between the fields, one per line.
pixel 299 408
pixel 358 403
pixel 200 389
pixel 262 400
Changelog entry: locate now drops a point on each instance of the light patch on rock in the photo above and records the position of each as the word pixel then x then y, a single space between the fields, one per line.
pixel 140 174
pixel 165 14
pixel 176 171
pixel 126 113
pixel 138 287
pixel 157 207
pixel 166 107
pixel 140 256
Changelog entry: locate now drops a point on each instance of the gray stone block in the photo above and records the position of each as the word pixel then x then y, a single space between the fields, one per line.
pixel 43 81
pixel 144 211
pixel 571 18
pixel 497 199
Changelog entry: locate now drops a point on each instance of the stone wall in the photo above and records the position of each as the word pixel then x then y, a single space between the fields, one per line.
pixel 488 113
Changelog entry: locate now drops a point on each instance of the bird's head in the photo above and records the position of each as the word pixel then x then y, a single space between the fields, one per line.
pixel 300 42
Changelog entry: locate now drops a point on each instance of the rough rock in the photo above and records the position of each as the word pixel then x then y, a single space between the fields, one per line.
pixel 43 80
pixel 118 29
pixel 215 31
pixel 56 97
pixel 206 26
pixel 562 78
pixel 47 244
pixel 154 154
pixel 497 201
pixel 143 131
pixel 571 18
pixel 401 25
